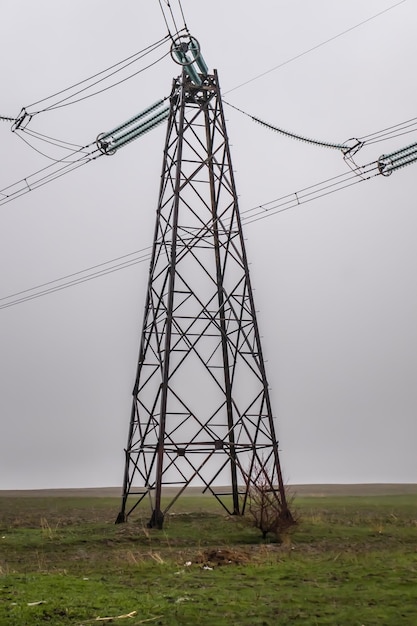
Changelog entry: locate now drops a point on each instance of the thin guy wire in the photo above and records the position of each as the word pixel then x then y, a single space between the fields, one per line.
pixel 323 43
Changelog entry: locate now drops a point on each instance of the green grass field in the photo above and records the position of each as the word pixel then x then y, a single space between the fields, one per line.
pixel 351 560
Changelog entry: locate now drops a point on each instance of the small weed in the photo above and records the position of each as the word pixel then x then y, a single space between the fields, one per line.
pixel 206 568
pixel 156 557
pixel 47 530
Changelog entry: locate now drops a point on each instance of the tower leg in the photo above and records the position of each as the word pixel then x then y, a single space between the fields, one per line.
pixel 201 410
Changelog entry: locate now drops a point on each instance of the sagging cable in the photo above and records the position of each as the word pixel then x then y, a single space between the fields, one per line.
pixel 324 144
pixel 347 148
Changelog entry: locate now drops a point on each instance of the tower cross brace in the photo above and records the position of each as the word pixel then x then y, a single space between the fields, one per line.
pixel 201 410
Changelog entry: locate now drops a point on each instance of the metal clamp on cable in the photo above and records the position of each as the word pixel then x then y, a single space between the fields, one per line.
pixel 23 117
pixel 185 50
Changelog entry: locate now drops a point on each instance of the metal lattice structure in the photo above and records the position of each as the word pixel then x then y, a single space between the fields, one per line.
pixel 201 411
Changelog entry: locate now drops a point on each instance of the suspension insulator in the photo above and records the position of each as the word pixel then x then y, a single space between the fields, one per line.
pixel 388 163
pixel 138 125
pixel 185 51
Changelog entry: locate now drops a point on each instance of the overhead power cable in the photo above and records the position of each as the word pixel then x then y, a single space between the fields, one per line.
pixel 49 173
pixel 349 147
pixel 144 251
pixel 152 116
pixel 397 130
pixel 106 143
pixel 249 216
pixel 53 141
pixel 67 145
pixel 344 147
pixel 68 102
pixel 316 47
pixel 174 22
pixel 310 193
pixel 62 160
pixel 69 93
pixel 77 278
pixel 183 16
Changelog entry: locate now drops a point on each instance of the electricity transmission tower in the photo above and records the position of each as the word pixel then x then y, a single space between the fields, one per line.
pixel 201 411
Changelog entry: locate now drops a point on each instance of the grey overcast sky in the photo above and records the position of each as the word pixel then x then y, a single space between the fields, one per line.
pixel 335 279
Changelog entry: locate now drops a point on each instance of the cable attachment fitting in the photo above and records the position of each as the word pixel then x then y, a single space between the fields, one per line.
pixel 22 120
pixel 388 163
pixel 385 165
pixel 352 146
pixel 134 127
pixel 185 50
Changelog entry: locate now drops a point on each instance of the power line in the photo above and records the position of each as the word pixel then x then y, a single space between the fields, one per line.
pixel 39 178
pixel 48 173
pixel 249 216
pixel 53 141
pixel 55 286
pixel 87 269
pixel 324 144
pixel 120 65
pixel 183 16
pixel 397 130
pixel 133 58
pixel 259 212
pixel 391 132
pixel 316 47
pixel 40 151
pixel 313 192
pixel 166 21
pixel 64 103
pixel 88 153
pixel 177 30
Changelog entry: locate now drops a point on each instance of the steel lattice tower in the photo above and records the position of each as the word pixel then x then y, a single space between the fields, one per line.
pixel 201 410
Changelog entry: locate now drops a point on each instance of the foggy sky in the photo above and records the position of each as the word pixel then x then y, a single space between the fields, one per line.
pixel 334 279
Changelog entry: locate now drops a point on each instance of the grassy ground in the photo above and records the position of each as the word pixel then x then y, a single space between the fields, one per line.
pixel 352 560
